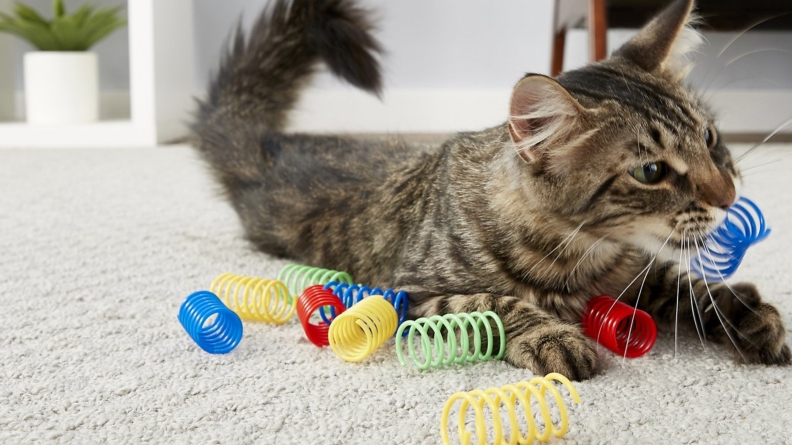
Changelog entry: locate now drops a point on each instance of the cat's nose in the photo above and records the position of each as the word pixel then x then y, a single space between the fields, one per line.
pixel 719 191
pixel 727 201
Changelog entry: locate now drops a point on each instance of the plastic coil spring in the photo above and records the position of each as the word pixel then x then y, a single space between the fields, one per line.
pixel 507 397
pixel 444 352
pixel 298 277
pixel 215 336
pixel 622 329
pixel 257 299
pixel 363 328
pixel 350 294
pixel 726 246
pixel 314 298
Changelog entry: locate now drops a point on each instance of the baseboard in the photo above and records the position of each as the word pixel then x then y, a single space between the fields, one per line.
pixel 752 138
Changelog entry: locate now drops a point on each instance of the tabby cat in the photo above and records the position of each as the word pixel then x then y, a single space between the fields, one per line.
pixel 602 181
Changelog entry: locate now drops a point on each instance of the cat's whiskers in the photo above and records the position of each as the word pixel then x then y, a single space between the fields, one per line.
pixel 644 270
pixel 550 267
pixel 649 265
pixel 743 170
pixel 718 312
pixel 755 51
pixel 723 279
pixel 710 93
pixel 742 33
pixel 707 80
pixel 694 308
pixel 679 283
pixel 582 258
pixel 640 290
pixel 563 242
pixel 759 144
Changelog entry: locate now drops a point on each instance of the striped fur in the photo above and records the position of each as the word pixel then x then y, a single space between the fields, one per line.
pixel 487 221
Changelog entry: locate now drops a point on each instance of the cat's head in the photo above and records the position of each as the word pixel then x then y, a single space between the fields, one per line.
pixel 623 146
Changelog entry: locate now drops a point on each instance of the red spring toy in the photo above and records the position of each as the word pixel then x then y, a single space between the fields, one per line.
pixel 609 322
pixel 312 299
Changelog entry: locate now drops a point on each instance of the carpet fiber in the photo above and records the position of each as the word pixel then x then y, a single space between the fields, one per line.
pixel 99 249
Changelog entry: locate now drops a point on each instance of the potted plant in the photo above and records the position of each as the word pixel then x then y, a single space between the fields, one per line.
pixel 62 77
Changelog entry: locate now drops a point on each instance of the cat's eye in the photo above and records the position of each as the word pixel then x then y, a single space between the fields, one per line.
pixel 709 137
pixel 650 173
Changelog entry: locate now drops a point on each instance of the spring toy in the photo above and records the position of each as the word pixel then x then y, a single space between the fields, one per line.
pixel 507 396
pixel 363 328
pixel 622 329
pixel 256 299
pixel 314 298
pixel 725 247
pixel 351 294
pixel 298 278
pixel 215 336
pixel 448 351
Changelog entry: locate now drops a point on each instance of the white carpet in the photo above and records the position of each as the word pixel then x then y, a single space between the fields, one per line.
pixel 99 248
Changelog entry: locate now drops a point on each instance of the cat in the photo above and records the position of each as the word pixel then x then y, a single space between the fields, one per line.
pixel 601 181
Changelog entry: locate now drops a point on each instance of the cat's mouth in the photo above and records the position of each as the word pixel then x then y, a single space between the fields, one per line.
pixel 693 227
pixel 689 232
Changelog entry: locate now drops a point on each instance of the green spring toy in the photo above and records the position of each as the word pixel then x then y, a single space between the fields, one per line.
pixel 446 349
pixel 298 278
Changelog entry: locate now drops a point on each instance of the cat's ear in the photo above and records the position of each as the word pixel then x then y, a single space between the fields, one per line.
pixel 541 112
pixel 665 42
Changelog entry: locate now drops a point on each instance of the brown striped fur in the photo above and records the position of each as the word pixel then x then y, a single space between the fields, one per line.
pixel 529 219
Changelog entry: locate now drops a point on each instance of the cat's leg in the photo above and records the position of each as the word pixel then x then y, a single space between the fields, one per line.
pixel 535 339
pixel 731 314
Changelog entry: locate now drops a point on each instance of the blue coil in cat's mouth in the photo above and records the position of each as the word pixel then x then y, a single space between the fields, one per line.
pixel 725 248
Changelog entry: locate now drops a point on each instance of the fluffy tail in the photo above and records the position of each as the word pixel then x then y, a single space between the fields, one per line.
pixel 260 78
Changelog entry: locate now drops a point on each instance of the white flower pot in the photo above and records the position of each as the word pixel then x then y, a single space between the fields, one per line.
pixel 61 87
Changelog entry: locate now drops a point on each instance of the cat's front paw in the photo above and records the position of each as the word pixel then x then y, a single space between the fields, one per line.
pixel 756 330
pixel 557 348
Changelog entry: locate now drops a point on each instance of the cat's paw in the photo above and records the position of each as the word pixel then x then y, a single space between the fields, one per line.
pixel 557 348
pixel 756 330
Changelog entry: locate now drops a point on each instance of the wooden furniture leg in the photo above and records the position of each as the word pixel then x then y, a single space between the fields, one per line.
pixel 598 30
pixel 559 42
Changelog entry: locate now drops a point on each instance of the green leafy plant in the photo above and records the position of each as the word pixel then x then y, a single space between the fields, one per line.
pixel 66 32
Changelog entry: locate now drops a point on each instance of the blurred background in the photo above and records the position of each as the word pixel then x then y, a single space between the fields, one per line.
pixel 450 65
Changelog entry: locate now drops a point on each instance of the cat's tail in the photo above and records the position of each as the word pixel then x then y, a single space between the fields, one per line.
pixel 260 78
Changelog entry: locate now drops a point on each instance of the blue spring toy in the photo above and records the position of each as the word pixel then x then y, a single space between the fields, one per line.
pixel 725 247
pixel 222 334
pixel 350 294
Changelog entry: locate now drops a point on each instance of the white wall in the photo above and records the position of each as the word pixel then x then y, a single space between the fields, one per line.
pixel 430 43
pixel 746 78
pixel 451 63
pixel 755 60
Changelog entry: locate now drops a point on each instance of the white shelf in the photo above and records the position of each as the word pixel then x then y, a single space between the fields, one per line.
pixel 6 71
pixel 106 134
pixel 161 85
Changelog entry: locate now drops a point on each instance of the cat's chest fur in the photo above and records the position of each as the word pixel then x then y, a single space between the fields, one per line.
pixel 561 280
pixel 481 231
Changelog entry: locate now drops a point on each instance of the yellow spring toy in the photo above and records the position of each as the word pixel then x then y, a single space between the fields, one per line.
pixel 298 277
pixel 361 329
pixel 508 396
pixel 257 299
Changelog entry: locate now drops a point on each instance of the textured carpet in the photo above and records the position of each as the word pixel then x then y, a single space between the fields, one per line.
pixel 99 248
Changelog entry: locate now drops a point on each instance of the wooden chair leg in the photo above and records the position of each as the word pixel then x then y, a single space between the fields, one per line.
pixel 598 30
pixel 559 45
